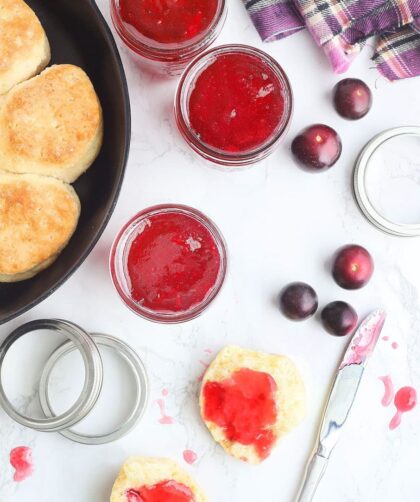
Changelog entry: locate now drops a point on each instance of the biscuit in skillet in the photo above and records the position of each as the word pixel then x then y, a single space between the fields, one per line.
pixel 38 216
pixel 138 472
pixel 51 124
pixel 290 396
pixel 24 47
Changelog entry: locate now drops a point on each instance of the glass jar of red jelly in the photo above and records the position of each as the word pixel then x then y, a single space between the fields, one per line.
pixel 233 105
pixel 168 263
pixel 166 34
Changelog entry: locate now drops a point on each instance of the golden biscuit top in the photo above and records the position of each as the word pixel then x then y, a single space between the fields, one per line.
pixel 53 117
pixel 37 217
pixel 20 30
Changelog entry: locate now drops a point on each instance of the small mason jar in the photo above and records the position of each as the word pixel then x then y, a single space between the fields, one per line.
pixel 168 263
pixel 166 45
pixel 234 105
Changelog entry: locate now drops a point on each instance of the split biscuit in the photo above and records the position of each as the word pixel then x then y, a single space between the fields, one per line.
pixel 288 394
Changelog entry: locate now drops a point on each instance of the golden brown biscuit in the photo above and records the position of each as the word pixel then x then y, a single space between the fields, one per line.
pixel 51 124
pixel 287 391
pixel 147 472
pixel 38 215
pixel 24 47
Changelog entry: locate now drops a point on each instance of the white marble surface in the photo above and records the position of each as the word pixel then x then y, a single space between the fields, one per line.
pixel 281 224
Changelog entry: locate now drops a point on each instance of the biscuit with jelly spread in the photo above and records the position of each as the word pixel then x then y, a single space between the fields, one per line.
pixel 51 124
pixel 249 400
pixel 24 47
pixel 148 479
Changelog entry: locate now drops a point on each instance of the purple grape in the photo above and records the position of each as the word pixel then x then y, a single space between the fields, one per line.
pixel 352 98
pixel 317 148
pixel 339 318
pixel 298 301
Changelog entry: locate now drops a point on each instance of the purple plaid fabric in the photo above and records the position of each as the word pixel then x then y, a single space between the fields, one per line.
pixel 341 27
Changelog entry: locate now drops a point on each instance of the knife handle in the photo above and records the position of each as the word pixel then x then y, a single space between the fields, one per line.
pixel 314 472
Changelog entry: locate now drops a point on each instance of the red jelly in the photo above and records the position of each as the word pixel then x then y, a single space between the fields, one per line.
pixel 169 21
pixel 405 399
pixel 166 491
pixel 21 460
pixel 233 105
pixel 244 406
pixel 168 263
pixel 167 34
pixel 172 263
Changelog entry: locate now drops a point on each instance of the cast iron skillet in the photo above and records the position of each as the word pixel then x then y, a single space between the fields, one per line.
pixel 78 34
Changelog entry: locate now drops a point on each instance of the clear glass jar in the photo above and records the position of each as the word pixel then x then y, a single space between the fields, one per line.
pixel 270 75
pixel 159 265
pixel 166 58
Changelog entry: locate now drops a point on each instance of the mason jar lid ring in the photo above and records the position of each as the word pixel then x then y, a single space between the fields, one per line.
pixel 360 184
pixel 140 398
pixel 93 375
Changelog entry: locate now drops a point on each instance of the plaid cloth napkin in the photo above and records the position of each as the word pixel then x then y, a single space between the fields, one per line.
pixel 341 28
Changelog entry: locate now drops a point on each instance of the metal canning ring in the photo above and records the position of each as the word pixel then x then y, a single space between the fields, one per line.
pixel 140 399
pixel 93 371
pixel 359 184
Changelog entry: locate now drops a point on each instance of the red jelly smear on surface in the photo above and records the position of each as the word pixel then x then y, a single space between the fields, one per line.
pixel 236 104
pixel 405 399
pixel 169 21
pixel 244 406
pixel 166 491
pixel 173 263
pixel 21 460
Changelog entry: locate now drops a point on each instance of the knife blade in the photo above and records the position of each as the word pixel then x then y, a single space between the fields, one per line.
pixel 341 399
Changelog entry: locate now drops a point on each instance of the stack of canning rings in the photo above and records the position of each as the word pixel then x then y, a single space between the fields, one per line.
pixel 88 345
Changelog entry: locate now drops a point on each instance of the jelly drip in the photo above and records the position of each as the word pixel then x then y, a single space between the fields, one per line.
pixel 21 461
pixel 405 400
pixel 164 418
pixel 190 456
pixel 388 390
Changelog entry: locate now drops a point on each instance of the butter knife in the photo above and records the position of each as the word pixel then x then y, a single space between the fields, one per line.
pixel 341 400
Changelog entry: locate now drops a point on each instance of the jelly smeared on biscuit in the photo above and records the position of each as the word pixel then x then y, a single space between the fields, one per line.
pixel 244 406
pixel 166 491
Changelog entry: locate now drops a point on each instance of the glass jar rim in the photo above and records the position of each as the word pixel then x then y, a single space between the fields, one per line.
pixel 152 49
pixel 119 254
pixel 181 102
